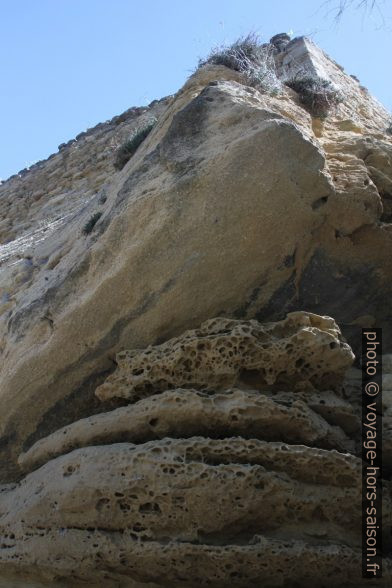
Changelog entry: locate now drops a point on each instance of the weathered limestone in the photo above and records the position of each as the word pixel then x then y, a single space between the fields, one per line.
pixel 186 485
pixel 38 200
pixel 168 215
pixel 216 498
pixel 301 350
pixel 191 228
pixel 226 450
pixel 178 413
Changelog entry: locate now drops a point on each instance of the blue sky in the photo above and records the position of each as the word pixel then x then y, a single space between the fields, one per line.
pixel 67 65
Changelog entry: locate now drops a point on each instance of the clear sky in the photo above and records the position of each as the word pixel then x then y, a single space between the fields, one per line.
pixel 67 65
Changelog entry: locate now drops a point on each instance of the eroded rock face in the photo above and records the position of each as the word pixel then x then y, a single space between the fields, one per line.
pixel 238 204
pixel 39 200
pixel 209 485
pixel 137 434
pixel 153 504
pixel 302 350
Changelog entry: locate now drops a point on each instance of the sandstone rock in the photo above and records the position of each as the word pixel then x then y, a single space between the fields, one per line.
pixel 280 41
pixel 204 486
pixel 182 412
pixel 240 463
pixel 301 350
pixel 165 222
pixel 206 501
pixel 181 216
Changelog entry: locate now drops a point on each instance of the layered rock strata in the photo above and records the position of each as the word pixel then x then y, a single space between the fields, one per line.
pixel 138 448
pixel 197 483
pixel 239 203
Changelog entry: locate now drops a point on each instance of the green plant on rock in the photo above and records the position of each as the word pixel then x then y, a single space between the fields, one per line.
pixel 318 95
pixel 127 149
pixel 249 57
pixel 90 224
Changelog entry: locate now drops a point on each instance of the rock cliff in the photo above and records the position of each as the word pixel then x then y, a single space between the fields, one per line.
pixel 176 407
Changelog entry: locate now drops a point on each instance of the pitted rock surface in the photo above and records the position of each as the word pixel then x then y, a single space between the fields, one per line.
pixel 238 204
pixel 182 412
pixel 205 486
pixel 144 444
pixel 303 349
pixel 216 499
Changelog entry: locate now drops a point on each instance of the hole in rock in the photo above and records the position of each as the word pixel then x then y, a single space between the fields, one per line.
pixel 319 202
pixel 252 378
pixel 149 507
